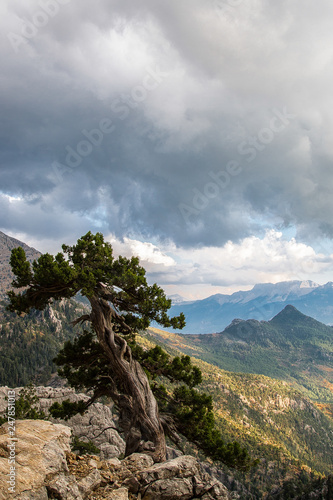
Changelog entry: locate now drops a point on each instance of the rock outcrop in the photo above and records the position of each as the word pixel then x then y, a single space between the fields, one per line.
pixel 96 425
pixel 181 478
pixel 46 468
pixel 39 449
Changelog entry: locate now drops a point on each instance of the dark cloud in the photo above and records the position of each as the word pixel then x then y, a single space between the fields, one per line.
pixel 118 116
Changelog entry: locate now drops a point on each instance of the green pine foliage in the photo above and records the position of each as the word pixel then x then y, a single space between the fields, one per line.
pixel 67 409
pixel 81 268
pixel 27 405
pixel 83 447
pixel 85 366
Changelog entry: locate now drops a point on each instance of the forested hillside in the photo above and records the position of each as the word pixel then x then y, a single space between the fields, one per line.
pixel 291 347
pixel 276 422
pixel 273 420
pixel 28 344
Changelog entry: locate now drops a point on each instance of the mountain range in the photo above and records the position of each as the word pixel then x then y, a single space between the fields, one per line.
pixel 263 302
pixel 214 313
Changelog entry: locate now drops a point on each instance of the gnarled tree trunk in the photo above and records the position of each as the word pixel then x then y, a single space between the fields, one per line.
pixel 139 416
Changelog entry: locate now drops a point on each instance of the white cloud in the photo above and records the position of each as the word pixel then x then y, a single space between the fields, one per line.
pixel 207 270
pixel 198 273
pixel 151 257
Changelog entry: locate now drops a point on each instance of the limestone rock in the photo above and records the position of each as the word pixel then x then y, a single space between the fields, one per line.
pixel 89 426
pixel 39 452
pixel 46 467
pixel 172 453
pixel 180 478
pixel 42 454
pixel 90 482
pixel 170 489
pixel 113 462
pixel 96 425
pixel 137 461
pixel 120 494
pixel 64 487
pixel 40 494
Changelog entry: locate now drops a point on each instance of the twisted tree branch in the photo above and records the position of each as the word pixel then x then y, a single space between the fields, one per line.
pixel 81 319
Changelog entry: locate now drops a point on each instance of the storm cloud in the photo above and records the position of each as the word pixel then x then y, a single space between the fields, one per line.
pixel 187 124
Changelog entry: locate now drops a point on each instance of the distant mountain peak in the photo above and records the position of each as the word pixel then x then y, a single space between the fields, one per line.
pixel 261 303
pixel 286 287
pixel 291 315
pixel 236 321
pixel 177 299
pixel 290 309
pixel 8 243
pixel 308 284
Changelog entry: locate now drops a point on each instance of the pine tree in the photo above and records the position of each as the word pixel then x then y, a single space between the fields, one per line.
pixel 107 360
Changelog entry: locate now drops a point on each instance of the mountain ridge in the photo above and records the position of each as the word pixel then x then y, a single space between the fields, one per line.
pixel 216 312
pixel 7 243
pixel 262 302
pixel 291 346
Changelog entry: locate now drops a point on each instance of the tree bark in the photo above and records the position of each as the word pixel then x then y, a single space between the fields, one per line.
pixel 139 416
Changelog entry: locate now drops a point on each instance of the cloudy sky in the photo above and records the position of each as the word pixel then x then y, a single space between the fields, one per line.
pixel 195 134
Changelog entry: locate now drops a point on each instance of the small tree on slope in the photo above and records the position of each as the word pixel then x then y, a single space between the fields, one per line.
pixel 107 359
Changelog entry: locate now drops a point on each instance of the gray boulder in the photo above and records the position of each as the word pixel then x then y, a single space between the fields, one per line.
pixel 180 478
